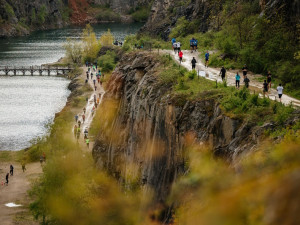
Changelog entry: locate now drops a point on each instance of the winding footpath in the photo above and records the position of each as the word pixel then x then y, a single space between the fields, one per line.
pixel 89 106
pixel 213 74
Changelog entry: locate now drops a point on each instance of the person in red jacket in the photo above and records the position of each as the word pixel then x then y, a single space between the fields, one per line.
pixel 180 54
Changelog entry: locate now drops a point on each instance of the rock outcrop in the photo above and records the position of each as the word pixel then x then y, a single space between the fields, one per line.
pixel 151 126
pixel 165 13
pixel 120 6
pixel 19 17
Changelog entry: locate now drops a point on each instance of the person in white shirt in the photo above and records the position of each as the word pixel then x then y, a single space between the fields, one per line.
pixel 175 47
pixel 279 91
pixel 178 47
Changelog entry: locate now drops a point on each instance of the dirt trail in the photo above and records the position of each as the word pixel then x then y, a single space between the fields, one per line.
pixel 89 106
pixel 16 192
pixel 213 74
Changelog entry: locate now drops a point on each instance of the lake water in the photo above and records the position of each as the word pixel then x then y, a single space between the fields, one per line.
pixel 28 104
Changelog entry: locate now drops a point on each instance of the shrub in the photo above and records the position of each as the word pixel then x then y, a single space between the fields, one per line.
pixel 42 14
pixel 9 10
pixel 107 62
pixel 108 15
pixel 141 14
pixel 192 74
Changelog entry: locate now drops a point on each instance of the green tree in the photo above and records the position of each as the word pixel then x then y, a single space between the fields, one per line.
pixel 74 51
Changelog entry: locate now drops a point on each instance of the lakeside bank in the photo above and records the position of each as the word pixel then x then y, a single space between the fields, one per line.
pixel 21 182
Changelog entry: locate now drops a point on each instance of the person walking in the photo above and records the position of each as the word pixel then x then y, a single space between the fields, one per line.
pixel 84 110
pixel 6 178
pixel 23 167
pixel 178 47
pixel 75 130
pixel 237 80
pixel 245 70
pixel 265 87
pixel 86 132
pixel 79 123
pixel 223 73
pixel 192 45
pixel 87 141
pixel 180 54
pixel 11 170
pixel 175 47
pixel 83 118
pixel 280 91
pixel 193 63
pixel 173 41
pixel 246 81
pixel 195 45
pixel 206 59
pixel 269 80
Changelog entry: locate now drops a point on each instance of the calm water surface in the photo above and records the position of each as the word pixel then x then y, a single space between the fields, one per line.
pixel 28 104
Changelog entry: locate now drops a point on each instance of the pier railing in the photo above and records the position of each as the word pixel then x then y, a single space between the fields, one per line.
pixel 34 71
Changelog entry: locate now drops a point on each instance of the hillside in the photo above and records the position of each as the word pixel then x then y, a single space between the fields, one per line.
pixel 19 18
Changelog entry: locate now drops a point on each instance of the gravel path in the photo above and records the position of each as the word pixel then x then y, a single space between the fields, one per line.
pixel 213 74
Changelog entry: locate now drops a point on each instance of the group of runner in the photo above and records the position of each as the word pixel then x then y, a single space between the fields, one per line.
pixel 80 119
pixel 194 45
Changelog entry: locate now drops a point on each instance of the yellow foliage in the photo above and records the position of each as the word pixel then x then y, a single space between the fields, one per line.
pixel 91 45
pixel 107 39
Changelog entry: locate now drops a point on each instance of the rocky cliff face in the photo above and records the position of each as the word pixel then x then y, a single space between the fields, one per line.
pixel 165 13
pixel 120 6
pixel 18 17
pixel 151 126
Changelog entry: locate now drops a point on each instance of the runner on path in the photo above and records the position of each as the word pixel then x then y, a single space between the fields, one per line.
pixel 280 91
pixel 86 132
pixel 237 80
pixel 180 54
pixel 195 45
pixel 246 81
pixel 245 70
pixel 265 87
pixel 6 177
pixel 11 170
pixel 193 63
pixel 23 167
pixel 173 41
pixel 223 73
pixel 87 141
pixel 269 79
pixel 75 130
pixel 76 117
pixel 206 59
pixel 84 110
pixel 192 44
pixel 83 118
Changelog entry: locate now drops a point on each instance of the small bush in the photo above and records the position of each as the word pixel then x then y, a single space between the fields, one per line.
pixel 108 15
pixel 141 15
pixel 107 62
pixel 9 10
pixel 192 74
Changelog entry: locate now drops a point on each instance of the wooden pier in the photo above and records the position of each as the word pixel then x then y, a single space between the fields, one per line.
pixel 34 71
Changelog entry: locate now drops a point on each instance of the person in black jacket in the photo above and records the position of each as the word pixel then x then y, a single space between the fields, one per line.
pixel 193 63
pixel 223 73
